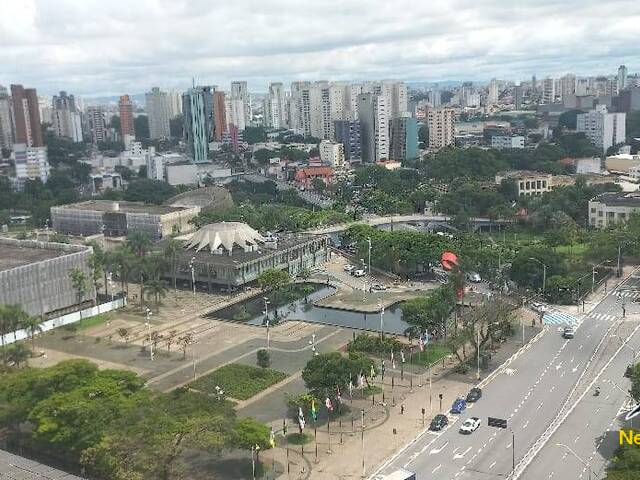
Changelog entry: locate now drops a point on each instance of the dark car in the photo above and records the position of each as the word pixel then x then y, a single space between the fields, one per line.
pixel 439 422
pixel 459 405
pixel 474 395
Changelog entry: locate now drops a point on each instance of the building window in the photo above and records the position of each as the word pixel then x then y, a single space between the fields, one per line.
pixel 593 210
pixel 600 213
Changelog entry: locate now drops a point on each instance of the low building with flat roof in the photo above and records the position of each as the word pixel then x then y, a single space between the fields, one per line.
pixel 229 255
pixel 35 275
pixel 612 207
pixel 117 219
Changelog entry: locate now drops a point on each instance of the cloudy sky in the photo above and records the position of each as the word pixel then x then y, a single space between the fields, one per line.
pixel 104 47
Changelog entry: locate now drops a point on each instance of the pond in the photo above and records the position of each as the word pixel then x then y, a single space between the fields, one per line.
pixel 293 306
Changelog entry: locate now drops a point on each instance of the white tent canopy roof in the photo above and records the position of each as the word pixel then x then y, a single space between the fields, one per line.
pixel 224 234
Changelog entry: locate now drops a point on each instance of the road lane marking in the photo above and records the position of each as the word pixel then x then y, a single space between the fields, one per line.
pixel 438 450
pixel 526 424
pixel 460 455
pixel 492 465
pixel 437 468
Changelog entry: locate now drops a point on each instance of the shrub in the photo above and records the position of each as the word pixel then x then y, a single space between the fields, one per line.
pixel 263 358
pixel 374 345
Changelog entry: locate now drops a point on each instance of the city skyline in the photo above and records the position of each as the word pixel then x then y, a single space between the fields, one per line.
pixel 115 48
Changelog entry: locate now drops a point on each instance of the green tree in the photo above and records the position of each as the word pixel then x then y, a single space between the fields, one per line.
pixel 80 283
pixel 17 354
pixel 263 358
pixel 149 191
pixel 157 289
pixel 324 372
pixel 250 433
pixel 529 273
pixel 274 279
pixel 171 250
pixel 33 325
pixel 318 185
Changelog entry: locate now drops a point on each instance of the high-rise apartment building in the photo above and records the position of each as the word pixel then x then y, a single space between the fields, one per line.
pixel 442 127
pixel 6 124
pixel 622 78
pixel 95 118
pixel 347 132
pixel 404 138
pixel 219 116
pixel 26 116
pixel 31 163
pixel 518 97
pixel 374 127
pixel 602 128
pixel 158 112
pixel 548 90
pixel 492 94
pixel 567 86
pixel 125 106
pixel 175 103
pixel 240 92
pixel 331 153
pixel 274 106
pixel 65 117
pixel 197 108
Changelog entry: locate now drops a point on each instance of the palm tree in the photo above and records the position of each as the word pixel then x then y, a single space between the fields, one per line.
pixel 96 264
pixel 79 282
pixel 171 250
pixel 18 354
pixel 16 316
pixel 158 289
pixel 32 325
pixel 4 330
pixel 141 268
pixel 140 243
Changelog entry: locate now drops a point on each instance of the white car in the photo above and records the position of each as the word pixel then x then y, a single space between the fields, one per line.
pixel 470 425
pixel 538 307
pixel 348 268
pixel 359 273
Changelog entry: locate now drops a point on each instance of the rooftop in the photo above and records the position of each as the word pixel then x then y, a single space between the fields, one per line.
pixel 622 199
pixel 18 253
pixel 124 207
pixel 521 174
pixel 15 467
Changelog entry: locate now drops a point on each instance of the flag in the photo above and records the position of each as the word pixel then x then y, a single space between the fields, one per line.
pixel 361 379
pixel 383 367
pixel 393 360
pixel 329 405
pixel 402 356
pixel 338 396
pixel 373 371
pixel 314 412
pixel 257 448
pixel 351 387
pixel 284 427
pixel 420 344
pixel 301 418
pixel 272 439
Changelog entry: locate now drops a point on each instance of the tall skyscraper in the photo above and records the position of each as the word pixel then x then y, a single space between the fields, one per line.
pixel 548 90
pixel 622 78
pixel 603 129
pixel 6 125
pixel 442 127
pixel 274 111
pixel 65 118
pixel 95 117
pixel 26 116
pixel 125 105
pixel 374 127
pixel 347 132
pixel 518 97
pixel 404 138
pixel 175 103
pixel 240 92
pixel 220 126
pixel 567 86
pixel 492 95
pixel 157 108
pixel 197 108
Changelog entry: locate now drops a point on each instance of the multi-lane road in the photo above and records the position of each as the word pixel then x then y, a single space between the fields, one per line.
pixel 546 393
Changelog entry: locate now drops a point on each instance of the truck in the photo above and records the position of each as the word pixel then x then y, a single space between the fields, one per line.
pixel 400 474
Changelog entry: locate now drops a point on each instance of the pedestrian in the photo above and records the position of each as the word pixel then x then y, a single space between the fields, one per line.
pixel 402 409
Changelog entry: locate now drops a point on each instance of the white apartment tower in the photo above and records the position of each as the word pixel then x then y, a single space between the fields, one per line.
pixel 603 129
pixel 275 113
pixel 240 92
pixel 374 127
pixel 548 90
pixel 175 103
pixel 158 112
pixel 567 86
pixel 442 127
pixel 95 116
pixel 492 95
pixel 31 163
pixel 6 129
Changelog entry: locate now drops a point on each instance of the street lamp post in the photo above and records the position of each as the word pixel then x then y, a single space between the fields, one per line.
pixel 586 464
pixel 478 344
pixel 369 264
pixel 381 306
pixel 593 274
pixel 312 342
pixel 544 274
pixel 266 314
pixel 193 274
pixel 148 323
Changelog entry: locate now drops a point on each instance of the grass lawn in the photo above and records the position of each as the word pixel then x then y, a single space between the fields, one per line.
pixel 576 249
pixel 239 381
pixel 432 353
pixel 93 321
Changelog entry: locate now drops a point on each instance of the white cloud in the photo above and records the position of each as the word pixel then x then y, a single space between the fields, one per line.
pixel 114 46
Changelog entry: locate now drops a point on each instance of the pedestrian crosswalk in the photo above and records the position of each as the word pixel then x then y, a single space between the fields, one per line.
pixel 605 317
pixel 632 294
pixel 557 317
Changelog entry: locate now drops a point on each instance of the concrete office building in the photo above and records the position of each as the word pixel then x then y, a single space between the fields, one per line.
pixel 27 127
pixel 603 129
pixel 158 112
pixel 567 86
pixel 622 78
pixel 347 132
pixel 441 123
pixel 610 208
pixel 95 118
pixel 518 97
pixel 31 163
pixel 6 123
pixel 229 255
pixel 507 141
pixel 627 101
pixel 492 92
pixel 548 91
pixel 65 117
pixel 117 219
pixel 220 126
pixel 35 275
pixel 404 139
pixel 374 127
pixel 528 183
pixel 197 105
pixel 332 153
pixel 125 107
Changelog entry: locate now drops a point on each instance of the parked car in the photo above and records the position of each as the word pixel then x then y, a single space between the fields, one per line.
pixel 349 268
pixel 438 423
pixel 470 425
pixel 568 332
pixel 378 288
pixel 358 273
pixel 473 277
pixel 459 405
pixel 538 307
pixel 474 395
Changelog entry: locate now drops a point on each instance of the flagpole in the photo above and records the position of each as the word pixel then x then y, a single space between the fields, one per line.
pixel 364 474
